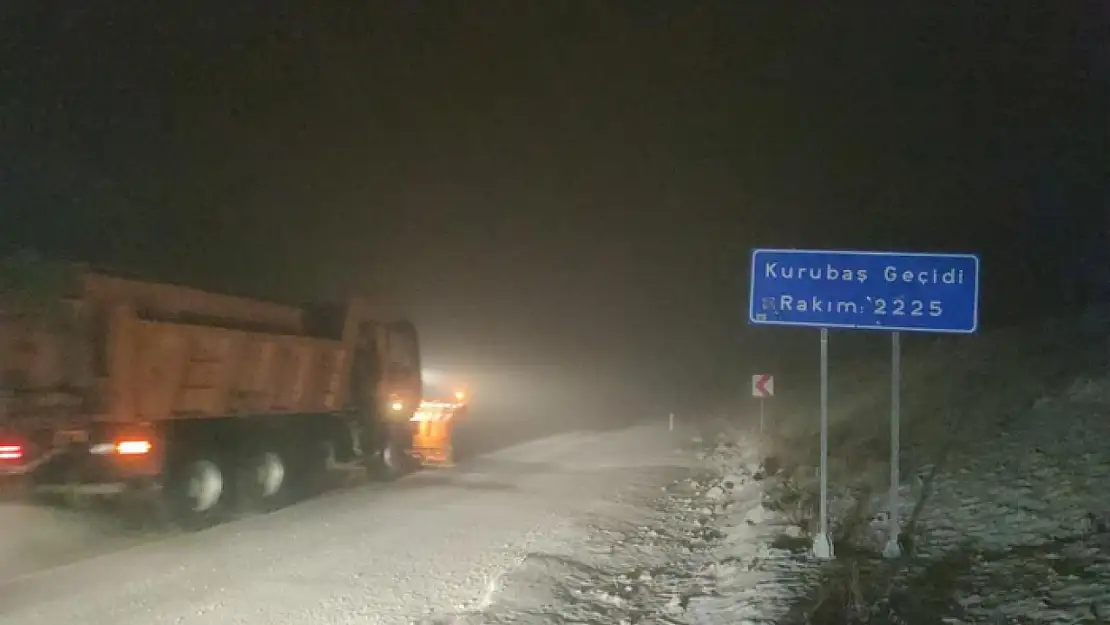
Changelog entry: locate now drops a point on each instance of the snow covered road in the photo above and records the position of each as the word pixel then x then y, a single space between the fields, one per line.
pixel 434 543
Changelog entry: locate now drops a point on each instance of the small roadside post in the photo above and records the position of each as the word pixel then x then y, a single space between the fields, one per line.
pixel 864 290
pixel 763 386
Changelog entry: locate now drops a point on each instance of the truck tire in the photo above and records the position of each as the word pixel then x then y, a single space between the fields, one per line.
pixel 197 493
pixel 389 462
pixel 263 482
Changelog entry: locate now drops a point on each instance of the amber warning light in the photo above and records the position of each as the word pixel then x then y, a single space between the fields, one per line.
pixel 127 447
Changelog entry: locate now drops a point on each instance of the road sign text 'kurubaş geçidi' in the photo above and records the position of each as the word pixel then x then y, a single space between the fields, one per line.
pixel 865 290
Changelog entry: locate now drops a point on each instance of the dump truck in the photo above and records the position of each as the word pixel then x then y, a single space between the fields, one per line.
pixel 199 402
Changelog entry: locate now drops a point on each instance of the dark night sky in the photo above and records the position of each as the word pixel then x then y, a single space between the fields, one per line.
pixel 558 185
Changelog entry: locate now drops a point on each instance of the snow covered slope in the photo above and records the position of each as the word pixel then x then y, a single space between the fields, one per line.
pixel 1006 488
pixel 1016 525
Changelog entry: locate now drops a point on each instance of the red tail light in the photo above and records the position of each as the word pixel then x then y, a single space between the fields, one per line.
pixel 11 451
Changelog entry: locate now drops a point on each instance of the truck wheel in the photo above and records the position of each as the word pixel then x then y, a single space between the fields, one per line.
pixel 388 463
pixel 197 493
pixel 262 482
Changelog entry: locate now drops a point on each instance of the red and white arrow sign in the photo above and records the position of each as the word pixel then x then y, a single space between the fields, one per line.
pixel 763 385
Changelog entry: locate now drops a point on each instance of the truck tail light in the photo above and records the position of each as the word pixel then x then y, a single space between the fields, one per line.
pixel 135 447
pixel 123 447
pixel 11 451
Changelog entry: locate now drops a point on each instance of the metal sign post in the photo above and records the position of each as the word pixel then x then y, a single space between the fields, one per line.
pixel 892 548
pixel 885 291
pixel 822 542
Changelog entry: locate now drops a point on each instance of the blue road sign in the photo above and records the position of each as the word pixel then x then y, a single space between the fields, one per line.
pixel 865 290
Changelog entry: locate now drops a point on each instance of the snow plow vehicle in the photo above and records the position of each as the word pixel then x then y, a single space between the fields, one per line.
pixel 433 435
pixel 114 387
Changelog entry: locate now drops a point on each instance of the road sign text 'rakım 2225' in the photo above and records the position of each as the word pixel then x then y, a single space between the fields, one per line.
pixel 889 291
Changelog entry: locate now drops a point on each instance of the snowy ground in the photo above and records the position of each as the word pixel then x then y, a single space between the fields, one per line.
pixel 1005 496
pixel 35 538
pixel 702 550
pixel 1015 529
pixel 1005 509
pixel 431 546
